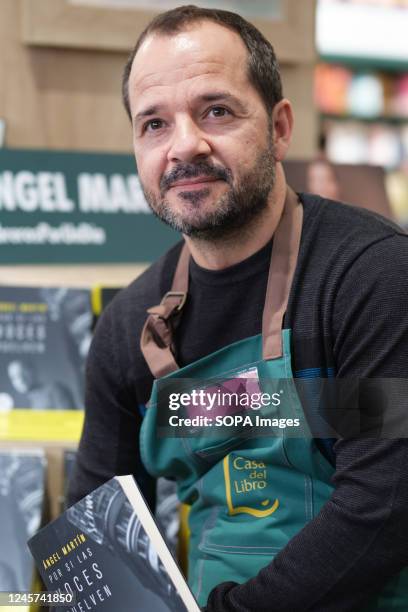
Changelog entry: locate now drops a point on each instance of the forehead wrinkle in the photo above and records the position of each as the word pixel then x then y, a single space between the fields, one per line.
pixel 148 98
pixel 188 71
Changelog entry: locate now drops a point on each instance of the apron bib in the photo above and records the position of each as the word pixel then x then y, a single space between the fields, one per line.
pixel 248 496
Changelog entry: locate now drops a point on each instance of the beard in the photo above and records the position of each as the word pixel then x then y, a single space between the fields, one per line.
pixel 235 210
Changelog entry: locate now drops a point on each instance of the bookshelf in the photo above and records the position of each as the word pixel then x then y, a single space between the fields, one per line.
pixel 361 88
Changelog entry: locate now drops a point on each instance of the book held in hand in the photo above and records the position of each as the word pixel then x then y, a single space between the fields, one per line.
pixel 108 552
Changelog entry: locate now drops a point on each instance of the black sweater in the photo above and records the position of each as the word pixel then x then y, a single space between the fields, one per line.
pixel 348 312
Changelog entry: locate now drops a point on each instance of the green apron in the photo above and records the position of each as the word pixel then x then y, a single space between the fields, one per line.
pixel 248 495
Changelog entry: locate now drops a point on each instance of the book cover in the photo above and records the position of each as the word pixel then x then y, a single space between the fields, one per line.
pixel 108 551
pixel 45 334
pixel 22 478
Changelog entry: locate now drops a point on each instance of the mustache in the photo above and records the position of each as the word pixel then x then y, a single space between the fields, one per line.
pixel 186 171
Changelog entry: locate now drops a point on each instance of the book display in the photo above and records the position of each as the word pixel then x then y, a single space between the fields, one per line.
pixel 44 339
pixel 108 552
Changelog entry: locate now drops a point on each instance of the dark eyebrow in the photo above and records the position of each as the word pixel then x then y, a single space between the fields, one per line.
pixel 152 110
pixel 223 96
pixel 218 96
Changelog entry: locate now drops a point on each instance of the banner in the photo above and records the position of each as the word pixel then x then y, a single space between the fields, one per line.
pixel 66 207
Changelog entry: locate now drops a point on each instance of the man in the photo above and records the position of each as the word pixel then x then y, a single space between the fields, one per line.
pixel 210 130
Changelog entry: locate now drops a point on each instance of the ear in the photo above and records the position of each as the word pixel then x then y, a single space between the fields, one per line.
pixel 282 121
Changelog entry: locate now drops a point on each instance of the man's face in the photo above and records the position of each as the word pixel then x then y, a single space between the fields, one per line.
pixel 201 133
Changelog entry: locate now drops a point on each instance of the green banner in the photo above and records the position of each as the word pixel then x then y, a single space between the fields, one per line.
pixel 67 207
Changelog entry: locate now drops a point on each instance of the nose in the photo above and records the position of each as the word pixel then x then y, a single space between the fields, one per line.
pixel 188 141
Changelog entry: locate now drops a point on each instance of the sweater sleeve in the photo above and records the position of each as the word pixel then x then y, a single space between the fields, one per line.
pixel 109 440
pixel 359 540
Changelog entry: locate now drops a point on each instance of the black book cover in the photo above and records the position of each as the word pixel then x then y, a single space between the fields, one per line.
pixel 108 551
pixel 44 339
pixel 45 334
pixel 22 478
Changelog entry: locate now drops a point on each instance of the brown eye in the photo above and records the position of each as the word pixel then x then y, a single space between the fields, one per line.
pixel 218 111
pixel 153 125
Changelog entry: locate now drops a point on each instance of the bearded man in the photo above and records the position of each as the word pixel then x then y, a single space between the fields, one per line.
pixel 265 285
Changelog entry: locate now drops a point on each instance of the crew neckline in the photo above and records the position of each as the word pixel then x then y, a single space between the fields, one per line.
pixel 252 265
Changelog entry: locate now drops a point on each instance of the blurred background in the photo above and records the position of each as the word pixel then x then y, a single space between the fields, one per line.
pixel 361 89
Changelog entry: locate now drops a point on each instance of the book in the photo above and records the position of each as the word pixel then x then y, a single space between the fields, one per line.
pixel 45 333
pixel 22 486
pixel 107 551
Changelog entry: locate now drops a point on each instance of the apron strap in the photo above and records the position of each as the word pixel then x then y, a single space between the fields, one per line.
pixel 285 249
pixel 157 339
